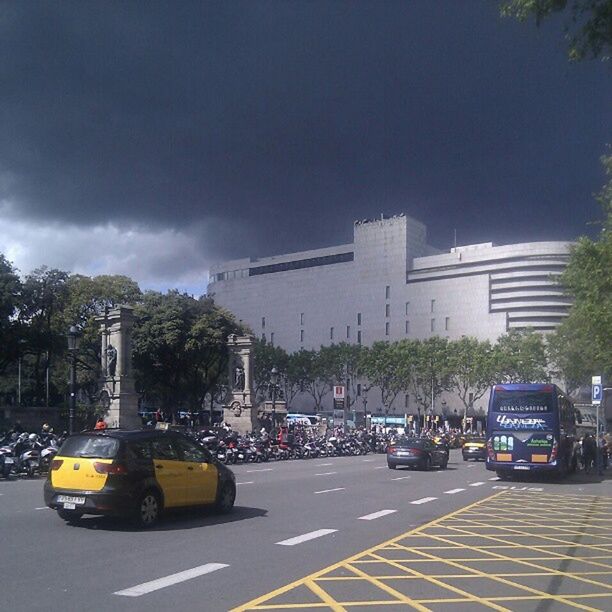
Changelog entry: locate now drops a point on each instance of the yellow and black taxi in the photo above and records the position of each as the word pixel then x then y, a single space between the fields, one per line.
pixel 474 447
pixel 137 474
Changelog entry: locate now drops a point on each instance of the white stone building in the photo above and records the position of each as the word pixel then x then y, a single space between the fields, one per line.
pixel 388 284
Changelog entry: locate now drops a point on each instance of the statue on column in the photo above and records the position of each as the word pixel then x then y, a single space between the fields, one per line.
pixel 111 360
pixel 239 379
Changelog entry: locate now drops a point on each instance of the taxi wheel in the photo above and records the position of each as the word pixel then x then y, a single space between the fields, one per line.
pixel 69 515
pixel 226 498
pixel 149 509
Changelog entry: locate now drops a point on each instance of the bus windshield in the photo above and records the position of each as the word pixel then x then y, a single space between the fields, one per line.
pixel 529 402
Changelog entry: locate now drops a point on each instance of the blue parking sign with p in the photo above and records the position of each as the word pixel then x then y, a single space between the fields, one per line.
pixel 597 394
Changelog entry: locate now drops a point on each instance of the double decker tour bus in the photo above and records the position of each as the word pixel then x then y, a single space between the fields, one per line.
pixel 530 428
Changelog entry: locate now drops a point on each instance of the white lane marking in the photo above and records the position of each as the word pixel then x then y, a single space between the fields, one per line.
pixel 423 500
pixel 326 474
pixel 401 478
pixel 324 464
pixel 381 467
pixel 476 484
pixel 160 583
pixel 248 482
pixel 329 490
pixel 453 491
pixel 366 460
pixel 305 537
pixel 375 515
pixel 494 478
pixel 43 508
pixel 262 470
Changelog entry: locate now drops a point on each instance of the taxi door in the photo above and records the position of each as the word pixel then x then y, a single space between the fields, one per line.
pixel 202 474
pixel 170 471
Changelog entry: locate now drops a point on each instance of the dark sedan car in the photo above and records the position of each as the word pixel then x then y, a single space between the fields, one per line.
pixel 416 452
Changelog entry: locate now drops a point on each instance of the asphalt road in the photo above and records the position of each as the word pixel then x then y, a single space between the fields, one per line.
pixel 291 519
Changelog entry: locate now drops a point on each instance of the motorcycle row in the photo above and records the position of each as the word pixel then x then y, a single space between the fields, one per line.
pixel 30 454
pixel 230 448
pixel 27 454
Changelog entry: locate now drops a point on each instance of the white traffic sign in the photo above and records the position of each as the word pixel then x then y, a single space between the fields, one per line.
pixel 338 392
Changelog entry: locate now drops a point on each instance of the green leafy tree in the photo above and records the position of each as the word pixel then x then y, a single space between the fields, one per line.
pixel 44 296
pixel 582 345
pixel 10 291
pixel 382 366
pixel 180 348
pixel 302 372
pixel 296 376
pixel 588 25
pixel 472 367
pixel 521 357
pixel 265 357
pixel 428 372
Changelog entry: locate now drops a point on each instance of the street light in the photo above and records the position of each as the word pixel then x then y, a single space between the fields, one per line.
pixel 20 343
pixel 364 392
pixel 73 337
pixel 274 383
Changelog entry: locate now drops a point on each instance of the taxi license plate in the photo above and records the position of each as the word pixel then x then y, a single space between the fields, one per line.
pixel 69 499
pixel 522 467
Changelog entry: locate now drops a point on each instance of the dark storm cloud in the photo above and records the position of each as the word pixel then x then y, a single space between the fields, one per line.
pixel 286 120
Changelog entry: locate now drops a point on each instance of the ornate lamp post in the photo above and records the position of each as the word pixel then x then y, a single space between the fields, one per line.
pixel 73 337
pixel 364 393
pixel 274 377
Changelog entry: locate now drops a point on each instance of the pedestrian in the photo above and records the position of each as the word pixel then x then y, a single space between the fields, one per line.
pixel 589 452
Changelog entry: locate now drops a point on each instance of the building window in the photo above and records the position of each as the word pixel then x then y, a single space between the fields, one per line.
pixel 406 401
pixel 301 335
pixel 359 337
pixel 407 327
pixel 433 325
pixel 348 331
pixel 433 303
pixel 386 329
pixel 272 338
pixel 263 337
pixel 407 307
pixel 331 333
pixel 358 318
pixel 301 318
pixel 387 310
pixel 446 322
pixel 387 292
pixel 358 389
pixel 263 322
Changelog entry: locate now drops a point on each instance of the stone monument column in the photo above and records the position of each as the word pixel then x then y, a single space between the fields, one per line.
pixel 118 393
pixel 240 411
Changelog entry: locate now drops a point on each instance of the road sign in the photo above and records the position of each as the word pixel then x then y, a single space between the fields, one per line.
pixel 338 392
pixel 596 390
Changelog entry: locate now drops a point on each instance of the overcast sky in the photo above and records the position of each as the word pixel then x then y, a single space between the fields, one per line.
pixel 151 139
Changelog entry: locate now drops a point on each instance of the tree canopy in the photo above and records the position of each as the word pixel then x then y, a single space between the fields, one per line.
pixel 588 23
pixel 582 345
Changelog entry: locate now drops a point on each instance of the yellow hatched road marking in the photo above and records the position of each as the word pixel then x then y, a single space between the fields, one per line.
pixel 452 532
pixel 499 557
